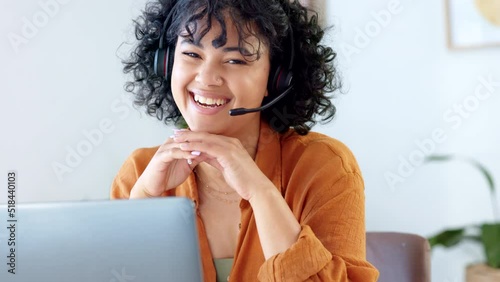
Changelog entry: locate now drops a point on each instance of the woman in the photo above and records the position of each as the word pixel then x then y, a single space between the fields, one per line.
pixel 274 202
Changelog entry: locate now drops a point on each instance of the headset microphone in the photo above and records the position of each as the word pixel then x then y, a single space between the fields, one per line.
pixel 280 77
pixel 242 111
pixel 280 81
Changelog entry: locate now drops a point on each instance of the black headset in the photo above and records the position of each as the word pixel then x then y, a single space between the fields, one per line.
pixel 164 57
pixel 280 76
pixel 280 79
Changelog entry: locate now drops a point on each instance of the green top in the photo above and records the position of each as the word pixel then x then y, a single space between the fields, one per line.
pixel 223 267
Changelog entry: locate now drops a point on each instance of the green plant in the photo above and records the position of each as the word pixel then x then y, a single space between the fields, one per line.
pixel 487 234
pixel 181 123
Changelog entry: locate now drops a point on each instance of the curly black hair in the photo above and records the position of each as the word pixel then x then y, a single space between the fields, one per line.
pixel 314 73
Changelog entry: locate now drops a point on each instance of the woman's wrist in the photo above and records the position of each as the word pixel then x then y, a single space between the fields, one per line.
pixel 266 190
pixel 139 192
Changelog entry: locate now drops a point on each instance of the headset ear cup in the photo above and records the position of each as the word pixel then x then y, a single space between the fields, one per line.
pixel 169 62
pixel 272 85
pixel 284 81
pixel 159 63
pixel 164 60
pixel 280 82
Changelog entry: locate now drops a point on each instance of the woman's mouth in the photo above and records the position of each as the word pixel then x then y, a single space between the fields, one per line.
pixel 209 102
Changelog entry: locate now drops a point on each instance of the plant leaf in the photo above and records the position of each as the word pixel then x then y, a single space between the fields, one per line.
pixel 448 238
pixel 485 173
pixel 490 236
pixel 439 158
pixel 181 123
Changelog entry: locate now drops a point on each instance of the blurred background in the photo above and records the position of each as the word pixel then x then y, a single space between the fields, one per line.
pixel 420 78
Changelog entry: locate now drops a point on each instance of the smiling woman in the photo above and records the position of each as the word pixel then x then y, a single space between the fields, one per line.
pixel 208 80
pixel 274 201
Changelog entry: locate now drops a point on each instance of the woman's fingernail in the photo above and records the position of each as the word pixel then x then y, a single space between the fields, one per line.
pixel 190 161
pixel 195 153
pixel 179 130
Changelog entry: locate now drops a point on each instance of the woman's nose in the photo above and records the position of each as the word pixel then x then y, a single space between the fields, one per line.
pixel 209 75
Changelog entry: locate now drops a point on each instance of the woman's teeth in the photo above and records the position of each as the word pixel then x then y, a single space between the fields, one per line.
pixel 211 102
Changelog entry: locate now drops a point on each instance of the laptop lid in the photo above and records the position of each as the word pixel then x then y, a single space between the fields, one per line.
pixel 109 241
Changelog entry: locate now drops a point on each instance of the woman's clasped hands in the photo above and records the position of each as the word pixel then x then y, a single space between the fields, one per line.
pixel 176 158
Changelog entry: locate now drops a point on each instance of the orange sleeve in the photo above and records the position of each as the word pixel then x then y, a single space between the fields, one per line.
pixel 130 171
pixel 327 196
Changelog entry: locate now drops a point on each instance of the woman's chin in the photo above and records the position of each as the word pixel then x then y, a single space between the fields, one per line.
pixel 204 126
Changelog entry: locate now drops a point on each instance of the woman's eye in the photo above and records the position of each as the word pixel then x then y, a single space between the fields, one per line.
pixel 237 62
pixel 191 54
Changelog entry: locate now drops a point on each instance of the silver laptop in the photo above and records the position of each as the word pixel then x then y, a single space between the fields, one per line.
pixel 100 241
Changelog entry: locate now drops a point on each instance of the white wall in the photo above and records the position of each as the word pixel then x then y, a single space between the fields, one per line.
pixel 66 79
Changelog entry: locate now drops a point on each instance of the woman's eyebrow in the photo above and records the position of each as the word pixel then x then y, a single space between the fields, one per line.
pixel 244 51
pixel 192 42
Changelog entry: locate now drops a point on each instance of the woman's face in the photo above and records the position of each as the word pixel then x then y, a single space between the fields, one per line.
pixel 207 82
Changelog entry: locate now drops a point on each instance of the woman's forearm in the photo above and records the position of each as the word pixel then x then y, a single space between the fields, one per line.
pixel 277 226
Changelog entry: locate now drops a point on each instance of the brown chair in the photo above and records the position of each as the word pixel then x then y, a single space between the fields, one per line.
pixel 399 257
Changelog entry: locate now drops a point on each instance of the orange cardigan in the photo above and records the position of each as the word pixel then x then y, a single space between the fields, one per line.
pixel 320 180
